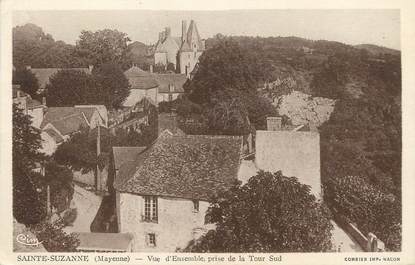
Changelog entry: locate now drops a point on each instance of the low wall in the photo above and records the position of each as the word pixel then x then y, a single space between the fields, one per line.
pixel 357 235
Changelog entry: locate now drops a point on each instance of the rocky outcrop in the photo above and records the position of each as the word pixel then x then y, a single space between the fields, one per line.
pixel 304 109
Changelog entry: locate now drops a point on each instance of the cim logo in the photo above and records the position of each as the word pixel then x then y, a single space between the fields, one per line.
pixel 27 240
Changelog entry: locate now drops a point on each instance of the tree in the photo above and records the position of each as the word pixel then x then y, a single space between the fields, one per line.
pixel 31 46
pixel 59 178
pixel 72 87
pixel 27 81
pixel 270 213
pixel 28 204
pixel 54 239
pixel 103 46
pixel 225 65
pixel 358 201
pixel 114 86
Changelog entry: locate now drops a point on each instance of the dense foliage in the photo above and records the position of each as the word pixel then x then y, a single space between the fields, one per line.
pixel 31 46
pixel 356 200
pixel 103 46
pixel 60 183
pixel 27 81
pixel 113 85
pixel 106 86
pixel 67 88
pixel 270 213
pixel 54 239
pixel 224 86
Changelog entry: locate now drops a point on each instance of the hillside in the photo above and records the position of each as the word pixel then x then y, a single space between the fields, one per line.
pixel 377 50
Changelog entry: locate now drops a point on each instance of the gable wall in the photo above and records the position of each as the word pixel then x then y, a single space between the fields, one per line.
pixel 295 153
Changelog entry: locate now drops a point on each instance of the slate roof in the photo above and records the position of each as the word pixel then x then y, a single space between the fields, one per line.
pixel 164 80
pixel 104 241
pixel 43 74
pixel 191 166
pixel 140 79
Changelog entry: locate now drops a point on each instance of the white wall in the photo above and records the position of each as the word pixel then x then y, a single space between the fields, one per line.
pixel 37 116
pixel 294 153
pixel 160 58
pixel 175 227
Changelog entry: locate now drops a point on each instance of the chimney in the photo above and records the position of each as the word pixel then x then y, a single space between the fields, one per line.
pixel 184 30
pixel 28 67
pixel 168 32
pixel 18 93
pixel 274 123
pixel 90 67
pixel 44 101
pixel 151 68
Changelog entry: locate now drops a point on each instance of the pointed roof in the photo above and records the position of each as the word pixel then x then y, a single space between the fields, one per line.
pixel 192 31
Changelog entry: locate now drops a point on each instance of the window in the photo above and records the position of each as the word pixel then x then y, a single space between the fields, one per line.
pixel 150 209
pixel 151 240
pixel 195 206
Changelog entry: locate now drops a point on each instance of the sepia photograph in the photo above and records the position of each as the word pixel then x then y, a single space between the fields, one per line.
pixel 207 131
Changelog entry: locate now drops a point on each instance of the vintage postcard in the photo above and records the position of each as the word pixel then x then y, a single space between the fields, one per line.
pixel 187 132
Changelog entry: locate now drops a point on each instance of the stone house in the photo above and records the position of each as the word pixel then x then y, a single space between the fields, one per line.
pixel 183 52
pixel 163 192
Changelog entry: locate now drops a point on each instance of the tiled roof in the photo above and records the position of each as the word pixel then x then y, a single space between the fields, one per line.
pixel 192 166
pixel 104 241
pixel 140 79
pixel 43 74
pixel 123 154
pixel 70 124
pixel 68 120
pixel 164 80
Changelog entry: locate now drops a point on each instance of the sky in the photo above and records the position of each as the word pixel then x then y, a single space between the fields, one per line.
pixel 350 26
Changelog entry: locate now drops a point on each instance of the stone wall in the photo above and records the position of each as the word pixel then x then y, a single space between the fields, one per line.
pixel 177 222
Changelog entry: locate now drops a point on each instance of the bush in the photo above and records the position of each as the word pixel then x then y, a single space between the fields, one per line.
pixel 54 239
pixel 270 213
pixel 359 202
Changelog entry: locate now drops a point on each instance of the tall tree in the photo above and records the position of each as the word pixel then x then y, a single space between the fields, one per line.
pixel 225 65
pixel 270 213
pixel 71 87
pixel 114 86
pixel 28 204
pixel 103 46
pixel 32 46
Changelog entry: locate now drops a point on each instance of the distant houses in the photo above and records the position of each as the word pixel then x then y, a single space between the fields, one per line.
pixel 59 123
pixel 31 107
